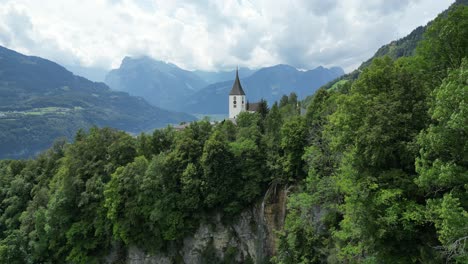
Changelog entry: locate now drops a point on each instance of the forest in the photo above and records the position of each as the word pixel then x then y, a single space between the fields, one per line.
pixel 378 165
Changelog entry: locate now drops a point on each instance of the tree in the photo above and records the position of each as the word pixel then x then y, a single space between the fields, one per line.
pixel 272 141
pixel 374 128
pixel 284 101
pixel 292 99
pixel 79 231
pixel 293 139
pixel 273 123
pixel 162 140
pixel 144 145
pixel 263 108
pixel 219 179
pixel 445 42
pixel 443 163
pixel 129 199
pixel 249 126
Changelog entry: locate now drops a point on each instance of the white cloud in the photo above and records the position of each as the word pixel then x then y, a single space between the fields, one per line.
pixel 210 34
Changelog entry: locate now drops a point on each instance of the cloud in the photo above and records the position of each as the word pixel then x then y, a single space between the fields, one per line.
pixel 16 27
pixel 209 34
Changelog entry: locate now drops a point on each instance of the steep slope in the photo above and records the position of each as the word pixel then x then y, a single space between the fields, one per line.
pixel 40 101
pixel 268 83
pixel 162 84
pixel 403 47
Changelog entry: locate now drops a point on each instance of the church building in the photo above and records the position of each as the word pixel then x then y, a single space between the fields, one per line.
pixel 238 101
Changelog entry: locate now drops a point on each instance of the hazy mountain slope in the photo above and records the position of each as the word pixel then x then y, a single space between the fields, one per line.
pixel 405 46
pixel 40 100
pixel 268 83
pixel 162 84
pixel 94 74
pixel 221 76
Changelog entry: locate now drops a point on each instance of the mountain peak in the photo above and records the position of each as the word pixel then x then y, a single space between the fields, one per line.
pixel 161 83
pixel 144 60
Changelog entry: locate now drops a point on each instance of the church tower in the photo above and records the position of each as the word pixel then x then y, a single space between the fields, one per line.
pixel 237 99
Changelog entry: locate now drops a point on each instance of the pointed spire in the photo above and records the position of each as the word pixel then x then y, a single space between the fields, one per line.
pixel 237 87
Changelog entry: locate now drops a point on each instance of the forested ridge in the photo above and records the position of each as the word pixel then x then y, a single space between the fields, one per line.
pixel 403 47
pixel 40 101
pixel 378 169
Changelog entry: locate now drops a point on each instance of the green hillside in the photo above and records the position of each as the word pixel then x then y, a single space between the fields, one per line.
pixel 403 47
pixel 41 101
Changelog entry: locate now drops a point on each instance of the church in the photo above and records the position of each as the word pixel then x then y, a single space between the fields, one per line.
pixel 238 100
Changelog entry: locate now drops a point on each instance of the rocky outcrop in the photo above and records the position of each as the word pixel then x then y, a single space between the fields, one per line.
pixel 249 238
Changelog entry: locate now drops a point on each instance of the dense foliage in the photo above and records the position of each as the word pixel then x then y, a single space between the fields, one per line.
pixel 387 161
pixel 379 169
pixel 76 202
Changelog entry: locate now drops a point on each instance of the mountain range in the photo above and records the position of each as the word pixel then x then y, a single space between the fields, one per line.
pixel 268 83
pixel 203 92
pixel 41 100
pixel 221 76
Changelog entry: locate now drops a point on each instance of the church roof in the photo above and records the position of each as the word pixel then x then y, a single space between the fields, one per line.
pixel 253 106
pixel 237 87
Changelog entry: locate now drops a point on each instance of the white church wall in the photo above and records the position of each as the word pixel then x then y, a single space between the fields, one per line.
pixel 239 106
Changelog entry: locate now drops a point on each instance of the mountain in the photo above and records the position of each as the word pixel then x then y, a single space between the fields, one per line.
pixel 221 76
pixel 41 100
pixel 268 83
pixel 203 92
pixel 95 74
pixel 162 84
pixel 403 47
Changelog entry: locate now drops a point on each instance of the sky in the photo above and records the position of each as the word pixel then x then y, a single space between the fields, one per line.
pixel 210 35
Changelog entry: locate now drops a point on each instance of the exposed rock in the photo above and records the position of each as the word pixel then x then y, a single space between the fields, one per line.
pixel 250 236
pixel 136 256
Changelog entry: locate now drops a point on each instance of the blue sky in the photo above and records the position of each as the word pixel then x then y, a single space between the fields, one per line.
pixel 210 35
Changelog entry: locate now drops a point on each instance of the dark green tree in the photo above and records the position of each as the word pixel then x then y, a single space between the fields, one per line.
pixel 293 140
pixel 219 178
pixel 445 43
pixel 79 231
pixel 443 164
pixel 375 128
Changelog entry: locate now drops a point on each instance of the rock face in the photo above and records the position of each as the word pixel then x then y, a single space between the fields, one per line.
pixel 249 238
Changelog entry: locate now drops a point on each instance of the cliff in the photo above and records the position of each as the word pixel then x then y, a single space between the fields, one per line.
pixel 248 238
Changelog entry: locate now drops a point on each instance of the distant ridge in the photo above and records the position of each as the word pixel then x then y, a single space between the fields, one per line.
pixel 221 76
pixel 166 85
pixel 41 100
pixel 269 83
